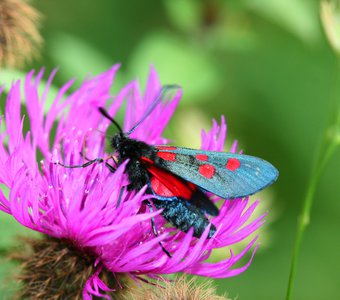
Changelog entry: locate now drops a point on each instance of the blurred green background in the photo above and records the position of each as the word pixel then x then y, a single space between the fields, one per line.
pixel 265 65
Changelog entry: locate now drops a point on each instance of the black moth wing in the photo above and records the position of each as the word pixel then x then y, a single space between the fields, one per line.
pixel 202 201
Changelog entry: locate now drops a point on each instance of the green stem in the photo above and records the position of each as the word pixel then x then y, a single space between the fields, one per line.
pixel 304 218
pixel 330 142
pixel 330 147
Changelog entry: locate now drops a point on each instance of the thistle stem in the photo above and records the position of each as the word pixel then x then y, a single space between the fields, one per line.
pixel 328 147
pixel 304 218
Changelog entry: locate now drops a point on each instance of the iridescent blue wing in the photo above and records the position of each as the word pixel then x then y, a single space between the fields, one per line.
pixel 227 175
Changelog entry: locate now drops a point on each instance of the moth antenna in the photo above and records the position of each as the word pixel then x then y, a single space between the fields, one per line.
pixel 165 89
pixel 107 116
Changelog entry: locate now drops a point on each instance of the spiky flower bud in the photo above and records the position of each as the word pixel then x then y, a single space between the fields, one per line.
pixel 20 39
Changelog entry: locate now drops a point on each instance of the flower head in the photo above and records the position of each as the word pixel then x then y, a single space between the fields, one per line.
pixel 88 209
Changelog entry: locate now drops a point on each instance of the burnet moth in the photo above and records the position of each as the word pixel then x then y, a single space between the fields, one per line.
pixel 178 178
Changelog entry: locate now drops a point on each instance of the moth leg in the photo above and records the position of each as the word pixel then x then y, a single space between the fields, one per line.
pixel 92 161
pixel 120 197
pixel 115 160
pixel 83 147
pixel 111 168
pixel 155 230
pixel 89 163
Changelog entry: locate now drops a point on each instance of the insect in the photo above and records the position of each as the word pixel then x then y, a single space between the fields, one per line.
pixel 178 178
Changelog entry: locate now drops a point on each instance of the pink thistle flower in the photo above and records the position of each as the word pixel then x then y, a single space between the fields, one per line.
pixel 79 206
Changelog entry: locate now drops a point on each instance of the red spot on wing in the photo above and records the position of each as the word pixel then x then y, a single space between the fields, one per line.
pixel 169 156
pixel 202 157
pixel 207 171
pixel 167 184
pixel 233 164
pixel 161 147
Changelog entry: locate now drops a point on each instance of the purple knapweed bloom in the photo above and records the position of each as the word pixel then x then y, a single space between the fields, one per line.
pixel 80 205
